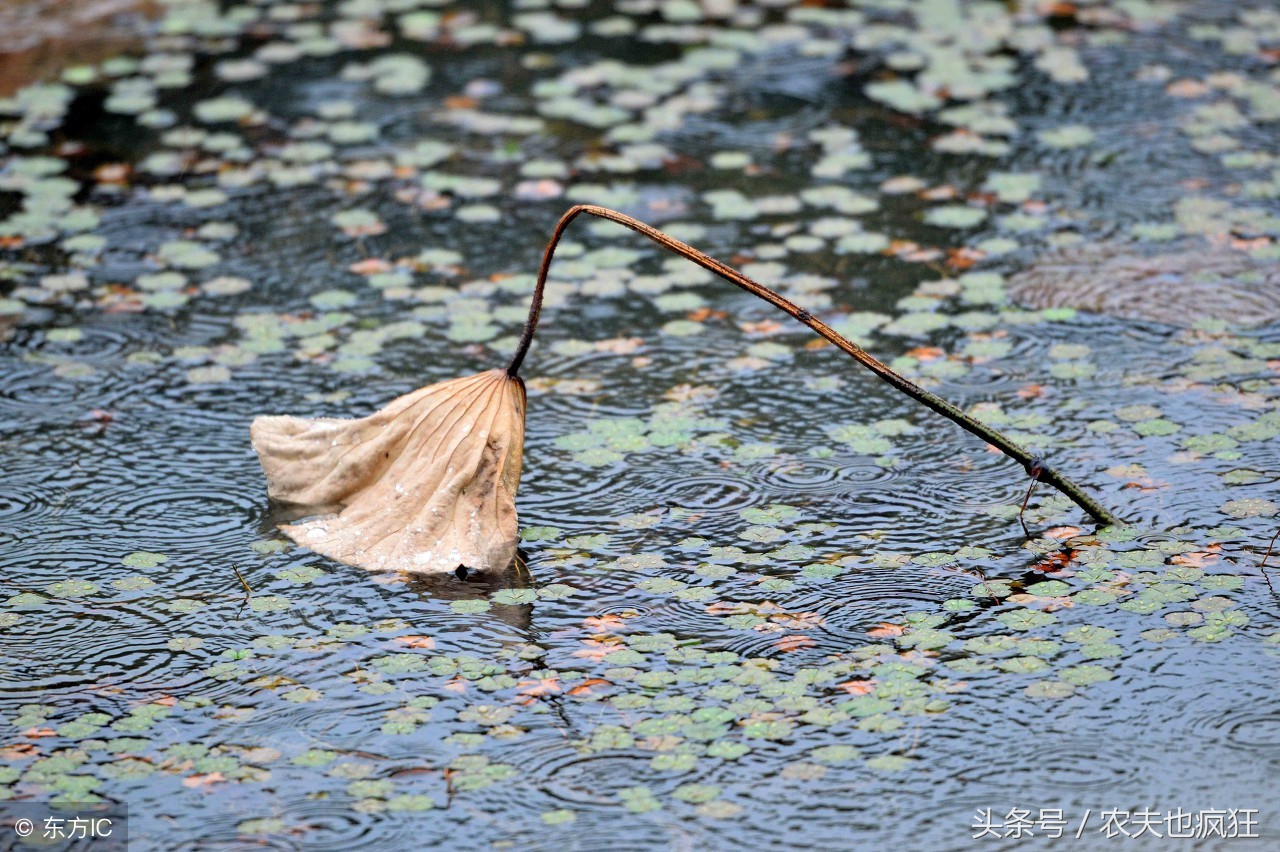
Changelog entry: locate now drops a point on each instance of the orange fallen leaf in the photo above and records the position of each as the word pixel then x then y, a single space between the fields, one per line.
pixel 799 620
pixel 660 742
pixel 858 687
pixel 588 686
pixel 964 257
pixel 916 657
pixel 761 327
pixel 539 687
pixel 1187 89
pixel 794 642
pixel 370 266
pixel 912 252
pixel 885 630
pixel 112 173
pixel 1143 487
pixel 206 780
pixel 539 190
pixel 1199 558
pixel 19 751
pixel 1031 391
pixel 425 642
pixel 598 649
pixel 607 623
pixel 1249 243
pixel 925 353
pixel 1046 603
pixel 1058 10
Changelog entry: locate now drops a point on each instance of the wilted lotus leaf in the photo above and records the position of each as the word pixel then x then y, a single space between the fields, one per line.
pixel 427 484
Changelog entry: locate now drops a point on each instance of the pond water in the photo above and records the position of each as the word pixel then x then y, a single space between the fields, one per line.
pixel 769 601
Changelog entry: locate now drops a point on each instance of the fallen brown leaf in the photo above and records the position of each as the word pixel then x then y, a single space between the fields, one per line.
pixel 417 641
pixel 19 751
pixel 607 623
pixel 540 687
pixel 370 266
pixel 964 257
pixel 799 620
pixel 598 649
pixel 858 687
pixel 925 353
pixel 206 780
pixel 761 327
pixel 1199 558
pixel 588 686
pixel 793 642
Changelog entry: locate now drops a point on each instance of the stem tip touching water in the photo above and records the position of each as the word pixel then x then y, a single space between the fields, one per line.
pixel 1034 465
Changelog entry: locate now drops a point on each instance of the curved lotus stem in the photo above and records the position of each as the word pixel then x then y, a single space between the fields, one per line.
pixel 992 436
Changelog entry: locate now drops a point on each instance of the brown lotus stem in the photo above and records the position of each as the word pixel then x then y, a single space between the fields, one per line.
pixel 248 592
pixel 1032 464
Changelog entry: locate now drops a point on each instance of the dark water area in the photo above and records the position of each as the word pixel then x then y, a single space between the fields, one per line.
pixel 768 601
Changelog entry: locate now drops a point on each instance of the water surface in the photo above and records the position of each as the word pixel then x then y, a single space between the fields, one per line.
pixel 768 599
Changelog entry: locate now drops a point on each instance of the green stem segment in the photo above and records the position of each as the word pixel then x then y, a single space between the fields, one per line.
pixel 1031 463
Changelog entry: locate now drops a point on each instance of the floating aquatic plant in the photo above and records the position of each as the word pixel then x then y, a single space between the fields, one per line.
pixel 428 484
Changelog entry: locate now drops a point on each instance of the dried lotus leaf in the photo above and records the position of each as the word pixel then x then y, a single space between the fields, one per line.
pixel 427 484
